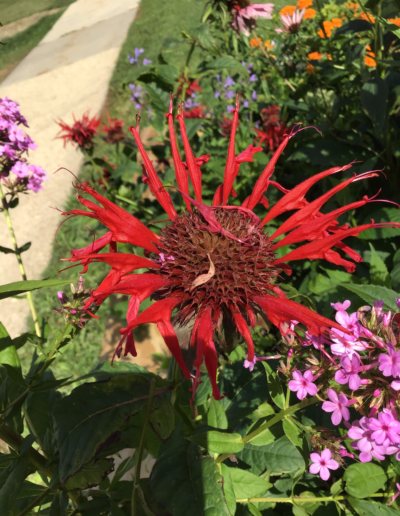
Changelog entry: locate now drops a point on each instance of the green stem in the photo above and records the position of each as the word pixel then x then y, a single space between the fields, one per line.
pixel 139 451
pixel 19 259
pixel 35 502
pixel 303 500
pixel 282 414
pixel 99 171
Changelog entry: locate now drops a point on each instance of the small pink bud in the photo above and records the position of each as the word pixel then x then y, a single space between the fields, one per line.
pixel 380 343
pixel 377 392
pixel 365 382
pixel 368 332
pixel 290 353
pixel 60 295
pixel 73 311
pixel 386 319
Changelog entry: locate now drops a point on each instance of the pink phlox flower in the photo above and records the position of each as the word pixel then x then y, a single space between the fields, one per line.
pixel 390 363
pixel 322 464
pixel 386 319
pixel 21 169
pixel 341 306
pixel 365 444
pixel 302 384
pixel 349 371
pixel 344 453
pixel 317 342
pixel 350 322
pixel 395 385
pixel 291 24
pixel 338 407
pixel 385 429
pixel 16 134
pixel 344 344
pixel 250 364
pixel 244 19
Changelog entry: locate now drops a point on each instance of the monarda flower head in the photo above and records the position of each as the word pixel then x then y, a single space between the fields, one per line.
pixel 214 268
pixel 81 132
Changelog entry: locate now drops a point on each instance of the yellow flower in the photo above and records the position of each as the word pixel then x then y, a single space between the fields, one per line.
pixel 310 13
pixel 287 10
pixel 367 17
pixel 336 22
pixel 314 56
pixel 395 21
pixel 303 4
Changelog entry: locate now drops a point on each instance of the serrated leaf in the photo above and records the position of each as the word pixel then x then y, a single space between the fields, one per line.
pixel 246 484
pixel 274 386
pixel 371 293
pixel 216 416
pixel 218 442
pixel 159 98
pixel 378 270
pixel 13 289
pixel 364 479
pixel 187 483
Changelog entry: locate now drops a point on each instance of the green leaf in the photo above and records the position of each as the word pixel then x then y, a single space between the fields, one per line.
pixel 94 413
pixel 227 62
pixel 186 482
pixel 14 373
pixel 370 508
pixel 216 416
pixel 370 293
pixel 6 250
pixel 353 27
pixel 293 432
pixel 13 289
pixel 389 26
pixel 192 126
pixel 246 484
pixel 265 409
pixel 162 419
pixel 16 474
pixel 218 442
pixel 337 487
pixel 374 97
pixel 90 475
pixel 25 247
pixel 159 98
pixel 274 386
pixel 363 480
pixel 167 73
pixel 382 215
pixel 59 504
pixel 282 456
pixel 8 352
pixel 378 270
pixel 228 488
pixel 205 39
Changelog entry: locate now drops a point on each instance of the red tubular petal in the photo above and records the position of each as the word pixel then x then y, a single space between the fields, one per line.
pixel 95 247
pixel 316 250
pixel 262 182
pixel 293 199
pixel 171 340
pixel 159 191
pixel 313 230
pixel 217 200
pixel 123 262
pixel 180 171
pixel 280 311
pixel 231 167
pixel 211 360
pixel 307 213
pixel 245 332
pixel 139 284
pixel 194 169
pixel 334 257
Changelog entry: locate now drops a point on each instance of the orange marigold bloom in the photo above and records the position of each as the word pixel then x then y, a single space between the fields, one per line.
pixel 353 6
pixel 336 22
pixel 395 21
pixel 328 26
pixel 255 42
pixel 309 14
pixel 367 17
pixel 303 4
pixel 369 61
pixel 287 10
pixel 314 56
pixel 311 69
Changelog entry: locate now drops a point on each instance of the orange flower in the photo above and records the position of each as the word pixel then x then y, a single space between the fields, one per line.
pixel 255 42
pixel 287 10
pixel 303 4
pixel 329 57
pixel 328 26
pixel 269 45
pixel 353 6
pixel 310 13
pixel 369 61
pixel 367 17
pixel 314 56
pixel 311 69
pixel 336 22
pixel 395 21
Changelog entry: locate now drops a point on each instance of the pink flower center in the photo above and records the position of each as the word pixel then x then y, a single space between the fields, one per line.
pixel 322 463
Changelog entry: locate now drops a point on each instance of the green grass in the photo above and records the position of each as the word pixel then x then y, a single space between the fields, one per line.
pixel 11 11
pixel 17 47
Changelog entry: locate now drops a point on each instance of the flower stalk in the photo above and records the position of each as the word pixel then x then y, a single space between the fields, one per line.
pixel 19 259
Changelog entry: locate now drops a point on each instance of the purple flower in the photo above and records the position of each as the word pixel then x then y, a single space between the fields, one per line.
pixel 217 94
pixel 349 373
pixel 230 109
pixel 218 77
pixel 322 464
pixel 350 322
pixel 146 61
pixel 248 67
pixel 390 364
pixel 137 95
pixel 302 384
pixel 229 94
pixel 245 103
pixel 385 429
pixel 341 306
pixel 253 78
pixel 20 169
pixel 134 60
pixel 338 407
pixel 15 134
pixel 254 95
pixel 378 306
pixel 229 82
pixel 344 344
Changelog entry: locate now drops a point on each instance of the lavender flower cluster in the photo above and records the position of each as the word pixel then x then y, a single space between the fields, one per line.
pixel 14 144
pixel 138 93
pixel 225 88
pixel 362 370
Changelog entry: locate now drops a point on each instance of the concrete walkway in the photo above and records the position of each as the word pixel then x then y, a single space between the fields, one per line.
pixel 68 72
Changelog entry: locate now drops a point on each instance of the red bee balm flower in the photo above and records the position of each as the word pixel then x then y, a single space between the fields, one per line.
pixel 81 132
pixel 113 131
pixel 215 266
pixel 274 129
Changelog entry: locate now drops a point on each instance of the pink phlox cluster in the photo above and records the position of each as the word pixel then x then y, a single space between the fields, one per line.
pixel 322 463
pixel 338 407
pixel 14 143
pixel 350 368
pixel 343 343
pixel 303 384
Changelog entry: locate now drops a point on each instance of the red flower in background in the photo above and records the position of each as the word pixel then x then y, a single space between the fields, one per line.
pixel 273 131
pixel 81 132
pixel 226 126
pixel 192 86
pixel 113 130
pixel 215 268
pixel 196 112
